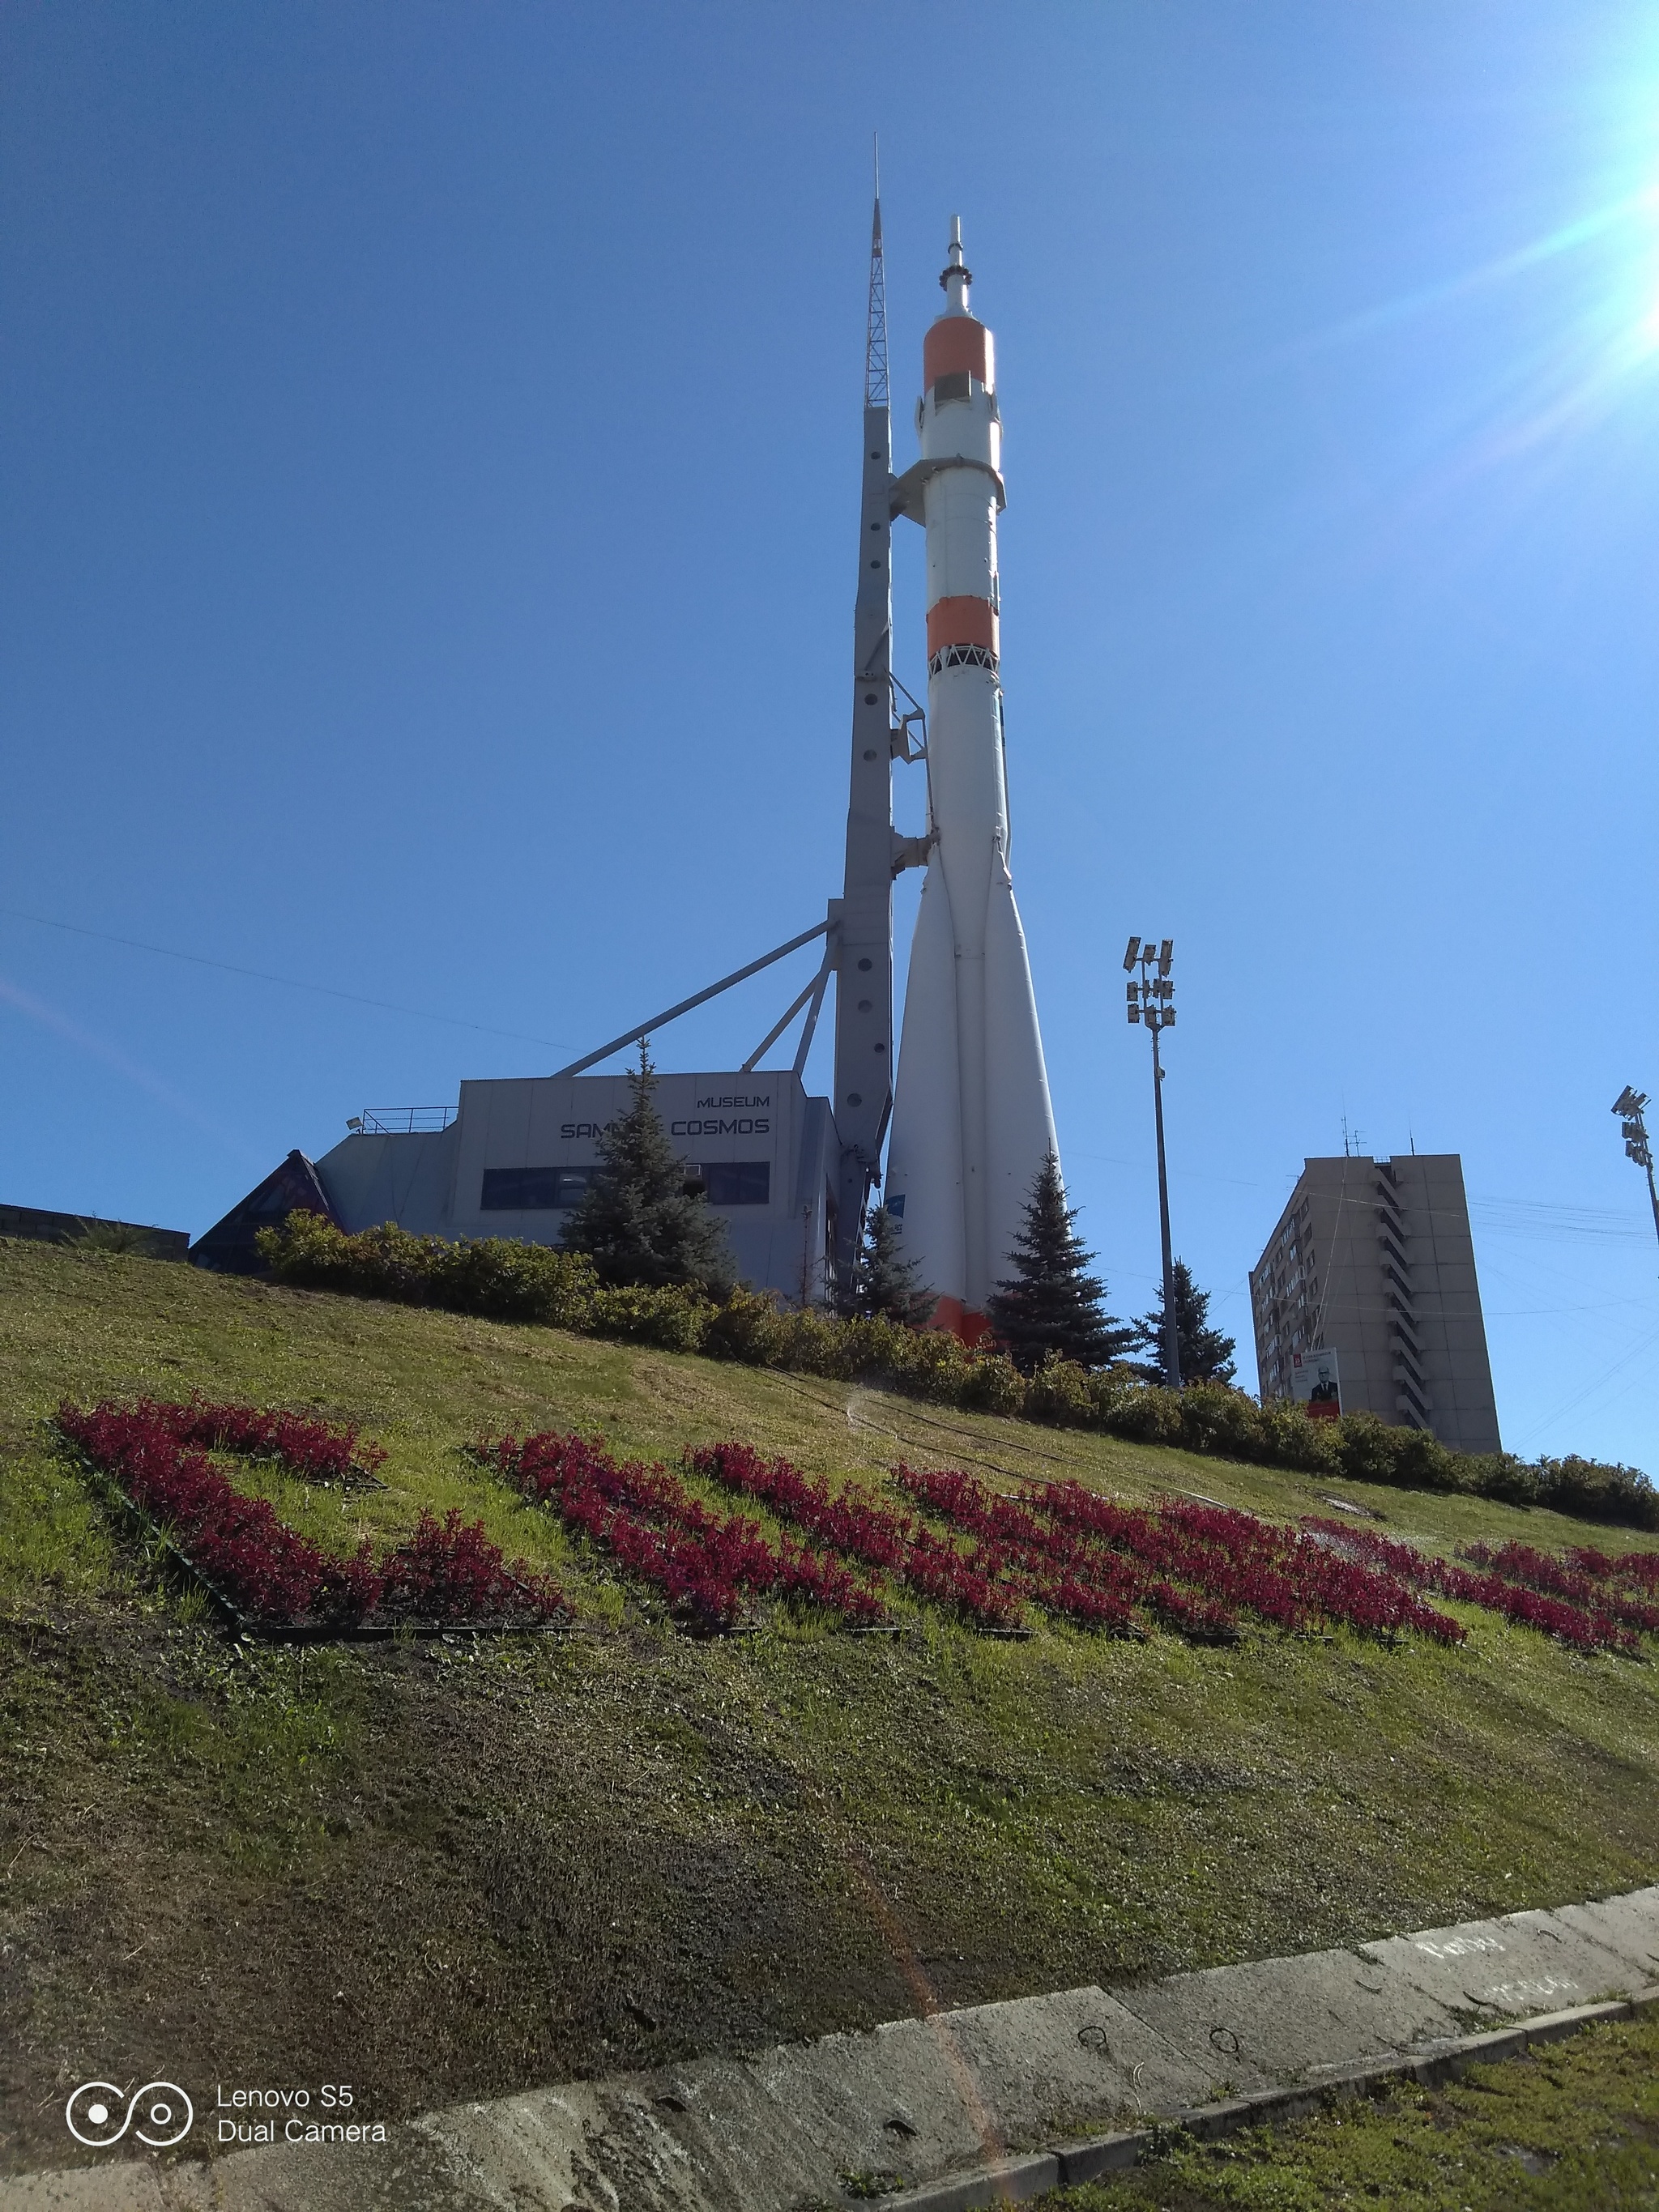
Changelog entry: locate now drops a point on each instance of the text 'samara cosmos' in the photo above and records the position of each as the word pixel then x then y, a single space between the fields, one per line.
pixel 972 1121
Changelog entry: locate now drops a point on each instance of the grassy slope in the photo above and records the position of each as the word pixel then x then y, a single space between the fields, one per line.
pixel 1571 2126
pixel 438 1872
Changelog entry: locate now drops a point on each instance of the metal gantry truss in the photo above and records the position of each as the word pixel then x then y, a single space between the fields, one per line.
pixel 875 328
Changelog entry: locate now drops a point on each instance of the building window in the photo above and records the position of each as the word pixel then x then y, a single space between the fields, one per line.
pixel 738 1182
pixel 533 1190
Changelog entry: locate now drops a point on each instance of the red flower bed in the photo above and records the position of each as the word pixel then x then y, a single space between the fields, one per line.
pixel 1586 1628
pixel 449 1571
pixel 445 1571
pixel 1198 1570
pixel 851 1522
pixel 1639 1567
pixel 1061 1571
pixel 1197 1567
pixel 710 1566
pixel 1593 1593
pixel 307 1447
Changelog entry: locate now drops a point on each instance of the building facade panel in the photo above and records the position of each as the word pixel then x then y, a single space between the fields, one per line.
pixel 521 1150
pixel 1375 1260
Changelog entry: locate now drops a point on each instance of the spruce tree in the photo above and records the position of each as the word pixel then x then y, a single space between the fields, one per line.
pixel 1052 1304
pixel 884 1281
pixel 645 1217
pixel 1206 1356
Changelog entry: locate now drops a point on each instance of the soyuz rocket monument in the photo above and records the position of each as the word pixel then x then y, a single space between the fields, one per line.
pixel 971 1118
pixel 968 1116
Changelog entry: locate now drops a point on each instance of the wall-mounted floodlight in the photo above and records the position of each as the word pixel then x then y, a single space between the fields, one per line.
pixel 1628 1106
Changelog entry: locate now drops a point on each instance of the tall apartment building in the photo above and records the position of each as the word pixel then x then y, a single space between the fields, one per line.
pixel 1374 1259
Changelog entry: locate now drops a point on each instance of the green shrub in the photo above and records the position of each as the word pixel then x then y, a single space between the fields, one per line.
pixel 506 1280
pixel 994 1385
pixel 870 1342
pixel 817 1344
pixel 1596 1491
pixel 754 1327
pixel 925 1363
pixel 1286 1436
pixel 117 1237
pixel 1152 1416
pixel 750 1326
pixel 1058 1393
pixel 674 1317
pixel 495 1276
pixel 1366 1446
pixel 1500 1474
pixel 1113 1393
pixel 1421 1461
pixel 1217 1419
pixel 386 1262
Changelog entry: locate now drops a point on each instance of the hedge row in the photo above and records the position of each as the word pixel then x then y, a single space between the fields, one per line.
pixel 504 1281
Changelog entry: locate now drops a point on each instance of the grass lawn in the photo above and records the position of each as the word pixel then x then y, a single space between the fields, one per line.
pixel 1572 2127
pixel 445 1871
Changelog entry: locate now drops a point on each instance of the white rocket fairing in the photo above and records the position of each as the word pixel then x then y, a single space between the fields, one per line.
pixel 972 1122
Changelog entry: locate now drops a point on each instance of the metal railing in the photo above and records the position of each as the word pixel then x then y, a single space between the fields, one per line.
pixel 401 1121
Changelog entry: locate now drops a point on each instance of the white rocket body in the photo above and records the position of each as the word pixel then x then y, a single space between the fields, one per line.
pixel 972 1122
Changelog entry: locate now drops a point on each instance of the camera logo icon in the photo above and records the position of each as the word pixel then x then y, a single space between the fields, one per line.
pixel 99 2113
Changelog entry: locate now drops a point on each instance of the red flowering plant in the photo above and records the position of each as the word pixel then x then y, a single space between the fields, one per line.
pixel 449 1571
pixel 269 1574
pixel 710 1567
pixel 1195 1568
pixel 1570 1578
pixel 314 1450
pixel 852 1523
pixel 1641 1568
pixel 1583 1610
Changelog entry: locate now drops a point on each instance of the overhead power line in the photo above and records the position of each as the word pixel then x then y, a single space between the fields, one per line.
pixel 288 982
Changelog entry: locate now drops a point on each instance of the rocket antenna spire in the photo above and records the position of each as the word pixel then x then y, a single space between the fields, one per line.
pixel 875 338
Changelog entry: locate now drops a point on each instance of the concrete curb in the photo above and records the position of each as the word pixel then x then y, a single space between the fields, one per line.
pixel 1015 2182
pixel 1022 2179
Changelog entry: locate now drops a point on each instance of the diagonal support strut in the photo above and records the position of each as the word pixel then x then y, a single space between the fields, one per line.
pixel 697 998
pixel 815 992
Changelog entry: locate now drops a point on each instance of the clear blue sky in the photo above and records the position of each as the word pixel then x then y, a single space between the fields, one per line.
pixel 430 479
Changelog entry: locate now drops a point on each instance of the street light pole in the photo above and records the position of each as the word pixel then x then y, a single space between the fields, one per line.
pixel 1628 1106
pixel 1151 1002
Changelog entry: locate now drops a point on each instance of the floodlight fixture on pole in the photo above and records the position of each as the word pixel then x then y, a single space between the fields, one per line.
pixel 1152 1003
pixel 1630 1106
